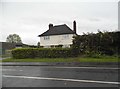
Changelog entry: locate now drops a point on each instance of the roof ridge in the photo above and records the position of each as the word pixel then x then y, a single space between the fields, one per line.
pixel 59 25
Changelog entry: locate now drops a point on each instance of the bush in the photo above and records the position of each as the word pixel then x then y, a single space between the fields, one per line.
pixel 41 53
pixel 93 54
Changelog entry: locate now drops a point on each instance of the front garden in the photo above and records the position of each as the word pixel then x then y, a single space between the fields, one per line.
pixel 99 47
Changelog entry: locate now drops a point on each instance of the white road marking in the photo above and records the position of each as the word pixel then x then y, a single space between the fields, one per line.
pixel 99 68
pixel 107 68
pixel 62 79
pixel 10 70
pixel 20 70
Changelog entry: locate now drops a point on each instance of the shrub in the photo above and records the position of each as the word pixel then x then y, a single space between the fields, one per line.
pixel 41 53
pixel 93 54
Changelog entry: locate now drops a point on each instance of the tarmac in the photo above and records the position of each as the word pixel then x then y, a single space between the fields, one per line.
pixel 71 64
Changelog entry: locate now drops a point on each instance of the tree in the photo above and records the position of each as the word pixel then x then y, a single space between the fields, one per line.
pixel 76 46
pixel 13 38
pixel 100 43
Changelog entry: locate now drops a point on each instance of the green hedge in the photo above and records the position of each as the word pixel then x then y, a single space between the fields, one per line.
pixel 41 53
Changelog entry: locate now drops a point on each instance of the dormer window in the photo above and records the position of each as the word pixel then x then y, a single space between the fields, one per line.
pixel 47 38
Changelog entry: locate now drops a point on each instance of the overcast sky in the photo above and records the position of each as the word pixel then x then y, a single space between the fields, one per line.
pixel 31 18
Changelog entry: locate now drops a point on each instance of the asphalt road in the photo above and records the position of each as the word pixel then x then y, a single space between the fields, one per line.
pixel 52 76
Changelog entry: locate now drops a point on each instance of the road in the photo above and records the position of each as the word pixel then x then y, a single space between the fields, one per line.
pixel 53 76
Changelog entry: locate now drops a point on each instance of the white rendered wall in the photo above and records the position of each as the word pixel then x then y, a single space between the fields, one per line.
pixel 57 40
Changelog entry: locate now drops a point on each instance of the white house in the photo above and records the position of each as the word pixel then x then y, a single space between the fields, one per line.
pixel 58 35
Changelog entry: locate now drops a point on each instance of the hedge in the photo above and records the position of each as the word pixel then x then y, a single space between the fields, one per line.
pixel 21 53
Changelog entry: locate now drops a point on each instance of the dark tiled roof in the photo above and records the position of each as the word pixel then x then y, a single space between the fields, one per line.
pixel 58 30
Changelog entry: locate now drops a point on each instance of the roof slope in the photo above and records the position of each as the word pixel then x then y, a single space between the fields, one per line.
pixel 58 30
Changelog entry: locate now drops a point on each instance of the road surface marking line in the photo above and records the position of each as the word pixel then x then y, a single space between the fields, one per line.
pixel 8 69
pixel 88 67
pixel 20 70
pixel 11 70
pixel 62 79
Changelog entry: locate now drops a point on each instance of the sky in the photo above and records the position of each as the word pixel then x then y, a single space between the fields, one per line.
pixel 30 18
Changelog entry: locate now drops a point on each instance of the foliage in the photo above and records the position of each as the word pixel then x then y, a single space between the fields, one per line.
pixel 38 44
pixel 60 46
pixel 13 38
pixel 41 53
pixel 90 44
pixel 75 47
pixel 100 43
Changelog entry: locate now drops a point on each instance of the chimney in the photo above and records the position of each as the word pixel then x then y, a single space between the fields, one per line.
pixel 50 26
pixel 74 26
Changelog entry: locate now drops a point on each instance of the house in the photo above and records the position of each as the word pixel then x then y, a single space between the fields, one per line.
pixel 59 35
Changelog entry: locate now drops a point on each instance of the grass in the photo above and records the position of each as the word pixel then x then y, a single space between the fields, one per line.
pixel 77 59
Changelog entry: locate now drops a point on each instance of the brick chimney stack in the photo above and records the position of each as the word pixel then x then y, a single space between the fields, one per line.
pixel 74 26
pixel 50 26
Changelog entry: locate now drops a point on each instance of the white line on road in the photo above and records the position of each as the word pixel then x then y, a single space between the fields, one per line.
pixel 107 68
pixel 99 68
pixel 62 79
pixel 8 69
pixel 11 70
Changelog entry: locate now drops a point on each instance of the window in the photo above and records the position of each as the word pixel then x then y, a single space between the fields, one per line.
pixel 66 36
pixel 46 37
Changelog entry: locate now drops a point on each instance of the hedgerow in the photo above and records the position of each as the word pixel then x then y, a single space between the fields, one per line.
pixel 21 53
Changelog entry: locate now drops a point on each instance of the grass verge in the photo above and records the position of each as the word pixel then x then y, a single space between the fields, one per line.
pixel 77 59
